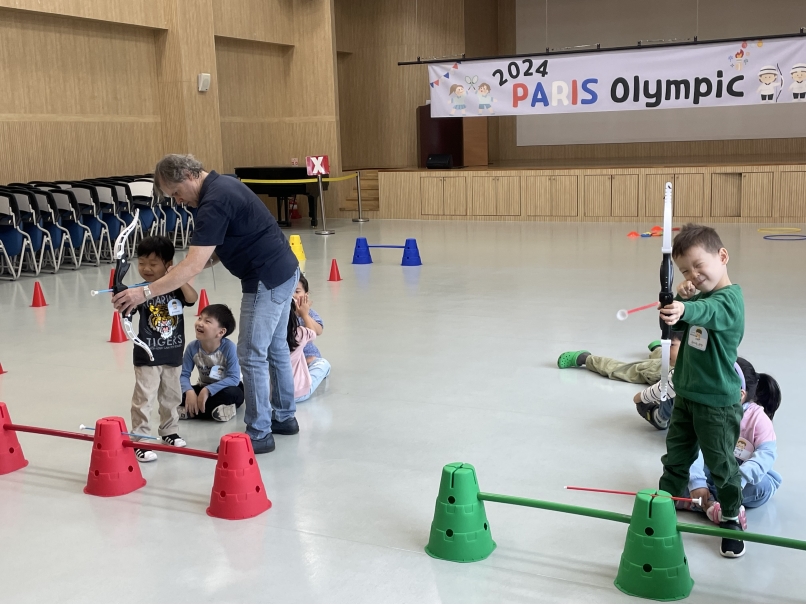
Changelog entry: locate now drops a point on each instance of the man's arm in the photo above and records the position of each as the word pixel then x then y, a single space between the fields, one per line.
pixel 194 263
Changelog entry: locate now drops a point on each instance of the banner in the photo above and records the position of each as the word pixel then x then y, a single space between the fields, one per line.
pixel 707 75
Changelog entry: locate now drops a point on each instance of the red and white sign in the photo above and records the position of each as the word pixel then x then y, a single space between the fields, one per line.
pixel 317 164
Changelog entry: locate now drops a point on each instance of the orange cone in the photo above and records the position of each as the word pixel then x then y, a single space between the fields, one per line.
pixel 117 335
pixel 203 302
pixel 238 491
pixel 39 297
pixel 334 272
pixel 633 234
pixel 114 470
pixel 111 278
pixel 11 458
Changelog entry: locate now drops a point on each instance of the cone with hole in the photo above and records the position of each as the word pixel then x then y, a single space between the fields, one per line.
pixel 296 246
pixel 653 564
pixel 39 297
pixel 238 491
pixel 114 470
pixel 411 254
pixel 361 255
pixel 203 302
pixel 11 458
pixel 460 531
pixel 117 334
pixel 334 271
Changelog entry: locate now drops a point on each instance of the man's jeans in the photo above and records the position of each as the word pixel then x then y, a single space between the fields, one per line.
pixel 263 354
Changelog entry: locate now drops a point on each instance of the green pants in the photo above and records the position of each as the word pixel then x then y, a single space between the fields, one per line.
pixel 694 426
pixel 637 372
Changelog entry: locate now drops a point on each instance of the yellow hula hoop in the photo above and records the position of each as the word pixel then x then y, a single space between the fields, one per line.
pixel 780 230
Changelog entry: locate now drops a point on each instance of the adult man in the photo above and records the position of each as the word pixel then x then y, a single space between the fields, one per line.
pixel 232 223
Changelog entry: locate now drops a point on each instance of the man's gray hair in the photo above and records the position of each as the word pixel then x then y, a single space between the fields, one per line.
pixel 176 168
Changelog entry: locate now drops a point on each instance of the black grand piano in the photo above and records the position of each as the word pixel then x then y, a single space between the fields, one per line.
pixel 284 192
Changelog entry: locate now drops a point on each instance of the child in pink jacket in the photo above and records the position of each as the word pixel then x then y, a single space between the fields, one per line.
pixel 307 377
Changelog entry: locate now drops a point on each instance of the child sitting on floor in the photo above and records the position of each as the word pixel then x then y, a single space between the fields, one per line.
pixel 636 372
pixel 307 317
pixel 219 391
pixel 307 376
pixel 755 451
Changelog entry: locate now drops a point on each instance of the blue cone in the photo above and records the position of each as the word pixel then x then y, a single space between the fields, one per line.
pixel 411 254
pixel 361 255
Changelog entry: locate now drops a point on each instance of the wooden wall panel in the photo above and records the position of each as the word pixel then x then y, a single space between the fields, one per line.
pixel 79 98
pixel 757 193
pixel 726 194
pixel 378 99
pixel 793 194
pixel 598 195
pixel 146 13
pixel 258 20
pixel 624 195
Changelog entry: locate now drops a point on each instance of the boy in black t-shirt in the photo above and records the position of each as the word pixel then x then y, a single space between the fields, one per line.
pixel 162 328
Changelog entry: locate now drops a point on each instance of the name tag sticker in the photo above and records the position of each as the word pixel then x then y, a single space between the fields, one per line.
pixel 174 308
pixel 697 338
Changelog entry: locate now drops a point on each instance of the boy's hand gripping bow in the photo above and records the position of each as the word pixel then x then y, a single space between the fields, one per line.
pixel 121 268
pixel 666 295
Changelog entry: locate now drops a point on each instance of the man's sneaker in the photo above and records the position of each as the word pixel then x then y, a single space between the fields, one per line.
pixel 653 345
pixel 145 455
pixel 224 413
pixel 650 413
pixel 174 440
pixel 263 446
pixel 714 513
pixel 730 547
pixel 287 427
pixel 183 413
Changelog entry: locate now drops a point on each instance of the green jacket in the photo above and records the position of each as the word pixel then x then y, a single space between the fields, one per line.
pixel 713 327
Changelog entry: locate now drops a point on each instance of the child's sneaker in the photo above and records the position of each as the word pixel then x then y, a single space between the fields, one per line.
pixel 730 547
pixel 174 440
pixel 224 413
pixel 183 414
pixel 714 513
pixel 145 455
pixel 650 413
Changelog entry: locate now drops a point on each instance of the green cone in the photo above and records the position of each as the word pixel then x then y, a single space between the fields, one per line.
pixel 460 531
pixel 653 564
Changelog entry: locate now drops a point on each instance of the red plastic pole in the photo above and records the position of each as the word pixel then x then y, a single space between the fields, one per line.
pixel 21 428
pixel 170 449
pixel 613 491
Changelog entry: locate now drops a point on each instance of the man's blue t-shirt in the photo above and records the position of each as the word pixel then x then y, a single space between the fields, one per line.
pixel 248 240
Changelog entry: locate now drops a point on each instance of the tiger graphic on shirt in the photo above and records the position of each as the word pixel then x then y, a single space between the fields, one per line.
pixel 161 320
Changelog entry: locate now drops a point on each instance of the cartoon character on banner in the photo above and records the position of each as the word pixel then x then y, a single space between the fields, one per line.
pixel 486 98
pixel 798 86
pixel 457 95
pixel 768 76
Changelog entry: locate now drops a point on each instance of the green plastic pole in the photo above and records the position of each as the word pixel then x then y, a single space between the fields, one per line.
pixel 555 506
pixel 741 535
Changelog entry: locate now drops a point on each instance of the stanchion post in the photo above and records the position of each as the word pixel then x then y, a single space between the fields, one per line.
pixel 360 218
pixel 324 230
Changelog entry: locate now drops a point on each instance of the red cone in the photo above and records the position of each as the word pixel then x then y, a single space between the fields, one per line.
pixel 238 491
pixel 11 458
pixel 39 298
pixel 111 278
pixel 203 302
pixel 633 234
pixel 114 470
pixel 334 272
pixel 117 335
pixel 2 371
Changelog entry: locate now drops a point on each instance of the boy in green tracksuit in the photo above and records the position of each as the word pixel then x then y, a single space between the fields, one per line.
pixel 707 413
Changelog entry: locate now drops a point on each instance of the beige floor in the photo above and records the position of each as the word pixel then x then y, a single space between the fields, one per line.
pixel 452 361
